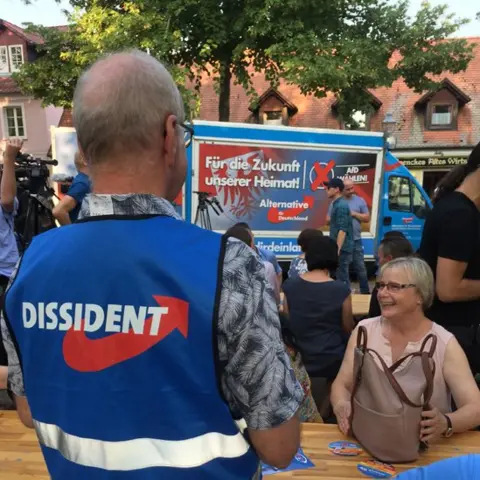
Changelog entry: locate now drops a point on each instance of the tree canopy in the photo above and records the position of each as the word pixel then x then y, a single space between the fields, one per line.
pixel 339 46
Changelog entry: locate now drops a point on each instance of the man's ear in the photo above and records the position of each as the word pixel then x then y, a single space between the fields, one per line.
pixel 170 140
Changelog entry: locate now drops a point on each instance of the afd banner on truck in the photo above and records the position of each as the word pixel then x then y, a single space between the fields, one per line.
pixel 276 188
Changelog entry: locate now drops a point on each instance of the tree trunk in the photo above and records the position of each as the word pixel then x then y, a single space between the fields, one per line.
pixel 224 96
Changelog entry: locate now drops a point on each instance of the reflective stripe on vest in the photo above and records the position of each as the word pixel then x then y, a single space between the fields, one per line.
pixel 141 452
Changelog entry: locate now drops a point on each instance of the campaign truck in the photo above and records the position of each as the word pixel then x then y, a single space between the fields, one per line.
pixel 272 178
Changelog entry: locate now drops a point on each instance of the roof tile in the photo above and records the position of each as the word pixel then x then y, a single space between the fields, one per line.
pixel 8 85
pixel 399 100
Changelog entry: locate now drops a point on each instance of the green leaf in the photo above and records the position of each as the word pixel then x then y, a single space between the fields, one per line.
pixel 339 46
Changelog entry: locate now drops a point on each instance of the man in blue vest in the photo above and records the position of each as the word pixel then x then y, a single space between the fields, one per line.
pixel 167 344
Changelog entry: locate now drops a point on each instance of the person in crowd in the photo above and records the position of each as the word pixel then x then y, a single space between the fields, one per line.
pixel 308 411
pixel 393 246
pixel 320 317
pixel 405 291
pixel 264 254
pixel 465 467
pixel 66 211
pixel 8 207
pixel 150 391
pixel 243 234
pixel 341 228
pixel 298 266
pixel 9 249
pixel 451 246
pixel 394 234
pixel 360 214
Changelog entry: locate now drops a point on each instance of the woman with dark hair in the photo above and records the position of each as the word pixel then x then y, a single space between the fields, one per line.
pixel 298 265
pixel 451 246
pixel 320 317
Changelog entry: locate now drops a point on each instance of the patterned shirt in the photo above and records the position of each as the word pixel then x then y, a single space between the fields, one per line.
pixel 298 266
pixel 341 221
pixel 258 381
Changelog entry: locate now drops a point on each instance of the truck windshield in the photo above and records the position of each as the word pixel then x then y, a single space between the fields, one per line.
pixel 405 196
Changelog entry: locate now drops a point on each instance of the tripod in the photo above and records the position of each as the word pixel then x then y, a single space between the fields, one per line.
pixel 202 217
pixel 37 216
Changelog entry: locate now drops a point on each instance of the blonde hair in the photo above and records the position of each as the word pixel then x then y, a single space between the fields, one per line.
pixel 418 273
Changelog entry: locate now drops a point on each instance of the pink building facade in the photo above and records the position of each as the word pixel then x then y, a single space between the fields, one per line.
pixel 22 116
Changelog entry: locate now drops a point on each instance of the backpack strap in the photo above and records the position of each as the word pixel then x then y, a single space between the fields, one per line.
pixel 433 345
pixel 362 338
pixel 362 346
pixel 427 370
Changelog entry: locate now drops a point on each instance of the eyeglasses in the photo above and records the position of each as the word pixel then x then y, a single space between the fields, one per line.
pixel 188 135
pixel 393 287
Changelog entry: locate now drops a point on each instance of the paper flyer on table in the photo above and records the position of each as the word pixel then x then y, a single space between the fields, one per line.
pixel 300 462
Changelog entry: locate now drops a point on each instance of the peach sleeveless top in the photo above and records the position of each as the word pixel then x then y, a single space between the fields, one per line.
pixel 441 398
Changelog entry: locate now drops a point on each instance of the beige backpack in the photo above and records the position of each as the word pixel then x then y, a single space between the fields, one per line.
pixel 387 403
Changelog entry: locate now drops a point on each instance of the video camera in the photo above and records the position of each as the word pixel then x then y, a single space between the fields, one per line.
pixel 206 198
pixel 32 173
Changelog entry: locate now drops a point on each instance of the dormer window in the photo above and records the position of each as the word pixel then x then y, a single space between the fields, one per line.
pixel 442 116
pixel 11 58
pixel 358 119
pixel 441 106
pixel 3 60
pixel 16 57
pixel 273 118
pixel 273 108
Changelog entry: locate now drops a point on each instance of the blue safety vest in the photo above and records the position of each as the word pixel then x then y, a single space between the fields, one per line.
pixel 115 322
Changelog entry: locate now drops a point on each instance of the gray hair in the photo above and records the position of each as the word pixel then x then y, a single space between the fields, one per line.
pixel 120 104
pixel 418 273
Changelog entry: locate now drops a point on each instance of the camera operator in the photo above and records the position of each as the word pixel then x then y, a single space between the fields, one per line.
pixel 8 243
pixel 67 210
pixel 8 209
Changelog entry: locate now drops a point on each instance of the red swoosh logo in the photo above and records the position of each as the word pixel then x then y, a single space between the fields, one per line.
pixel 322 172
pixel 273 214
pixel 93 355
pixel 392 166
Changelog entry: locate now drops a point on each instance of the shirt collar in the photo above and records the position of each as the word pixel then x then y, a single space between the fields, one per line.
pixel 130 204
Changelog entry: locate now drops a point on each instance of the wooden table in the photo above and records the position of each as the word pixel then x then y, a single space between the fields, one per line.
pixel 360 304
pixel 21 458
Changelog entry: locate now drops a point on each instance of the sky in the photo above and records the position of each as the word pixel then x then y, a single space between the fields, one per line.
pixel 48 12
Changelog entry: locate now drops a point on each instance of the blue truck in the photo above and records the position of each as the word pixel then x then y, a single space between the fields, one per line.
pixel 272 177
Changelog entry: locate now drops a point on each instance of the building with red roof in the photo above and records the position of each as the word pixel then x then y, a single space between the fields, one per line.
pixel 22 116
pixel 433 130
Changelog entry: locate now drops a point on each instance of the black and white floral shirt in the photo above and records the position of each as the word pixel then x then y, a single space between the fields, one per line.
pixel 258 381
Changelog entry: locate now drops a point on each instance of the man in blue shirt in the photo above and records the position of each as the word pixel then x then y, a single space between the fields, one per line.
pixel 341 227
pixel 360 214
pixel 67 210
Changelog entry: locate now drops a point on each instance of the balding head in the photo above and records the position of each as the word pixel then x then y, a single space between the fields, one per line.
pixel 126 108
pixel 349 189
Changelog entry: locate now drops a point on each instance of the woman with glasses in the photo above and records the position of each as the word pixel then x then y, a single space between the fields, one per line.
pixel 405 291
